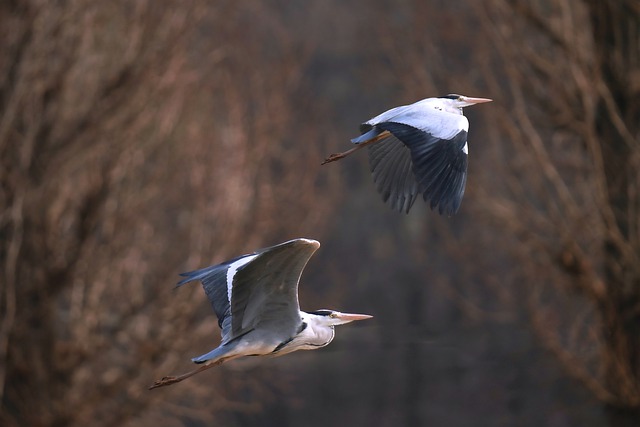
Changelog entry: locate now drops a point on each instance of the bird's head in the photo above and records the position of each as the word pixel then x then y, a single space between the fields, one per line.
pixel 460 101
pixel 333 318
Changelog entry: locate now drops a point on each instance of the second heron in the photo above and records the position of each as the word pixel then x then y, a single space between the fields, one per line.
pixel 419 148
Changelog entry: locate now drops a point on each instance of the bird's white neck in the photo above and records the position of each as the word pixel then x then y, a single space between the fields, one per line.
pixel 316 331
pixel 319 331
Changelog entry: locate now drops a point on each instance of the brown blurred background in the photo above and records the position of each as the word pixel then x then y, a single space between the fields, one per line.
pixel 140 139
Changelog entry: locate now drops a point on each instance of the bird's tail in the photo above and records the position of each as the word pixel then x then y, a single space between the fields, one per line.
pixel 372 133
pixel 214 355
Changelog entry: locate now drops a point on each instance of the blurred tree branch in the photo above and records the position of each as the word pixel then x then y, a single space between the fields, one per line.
pixel 563 142
pixel 136 139
pixel 590 122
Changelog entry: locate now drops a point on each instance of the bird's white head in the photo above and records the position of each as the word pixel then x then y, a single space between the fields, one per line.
pixel 460 101
pixel 333 318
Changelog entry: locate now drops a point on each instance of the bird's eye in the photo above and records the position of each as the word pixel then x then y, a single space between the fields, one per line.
pixel 333 315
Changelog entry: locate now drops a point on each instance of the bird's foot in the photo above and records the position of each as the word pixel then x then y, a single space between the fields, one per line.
pixel 338 156
pixel 333 158
pixel 165 381
pixel 172 380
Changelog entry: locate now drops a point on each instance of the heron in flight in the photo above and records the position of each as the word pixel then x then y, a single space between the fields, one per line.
pixel 418 148
pixel 255 298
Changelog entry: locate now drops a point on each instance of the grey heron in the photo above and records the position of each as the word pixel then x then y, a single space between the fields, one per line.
pixel 255 298
pixel 419 148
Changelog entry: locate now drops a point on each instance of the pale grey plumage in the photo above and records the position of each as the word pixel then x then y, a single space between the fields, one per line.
pixel 419 149
pixel 255 298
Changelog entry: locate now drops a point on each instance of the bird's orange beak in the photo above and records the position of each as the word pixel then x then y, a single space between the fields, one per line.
pixel 349 317
pixel 472 101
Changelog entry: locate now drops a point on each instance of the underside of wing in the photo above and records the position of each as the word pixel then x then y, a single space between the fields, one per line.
pixel 439 165
pixel 390 163
pixel 265 291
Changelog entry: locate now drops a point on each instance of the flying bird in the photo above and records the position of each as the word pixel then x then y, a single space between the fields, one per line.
pixel 255 298
pixel 418 149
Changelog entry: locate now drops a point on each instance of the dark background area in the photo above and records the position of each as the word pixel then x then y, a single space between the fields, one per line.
pixel 140 139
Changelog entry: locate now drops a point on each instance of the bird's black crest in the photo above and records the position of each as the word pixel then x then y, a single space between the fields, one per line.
pixel 321 312
pixel 450 96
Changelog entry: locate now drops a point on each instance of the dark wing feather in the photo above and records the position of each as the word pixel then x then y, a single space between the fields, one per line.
pixel 265 291
pixel 390 163
pixel 214 283
pixel 439 165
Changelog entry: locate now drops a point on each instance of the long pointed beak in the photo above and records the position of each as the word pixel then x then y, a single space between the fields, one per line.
pixel 348 317
pixel 471 101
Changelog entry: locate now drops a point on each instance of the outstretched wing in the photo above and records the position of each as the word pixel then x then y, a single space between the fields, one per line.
pixel 439 165
pixel 390 163
pixel 265 290
pixel 257 289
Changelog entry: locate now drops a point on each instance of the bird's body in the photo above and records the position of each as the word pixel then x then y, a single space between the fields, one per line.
pixel 419 149
pixel 255 298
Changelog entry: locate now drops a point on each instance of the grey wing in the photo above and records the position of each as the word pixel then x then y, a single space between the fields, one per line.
pixel 215 285
pixel 265 290
pixel 390 163
pixel 439 165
